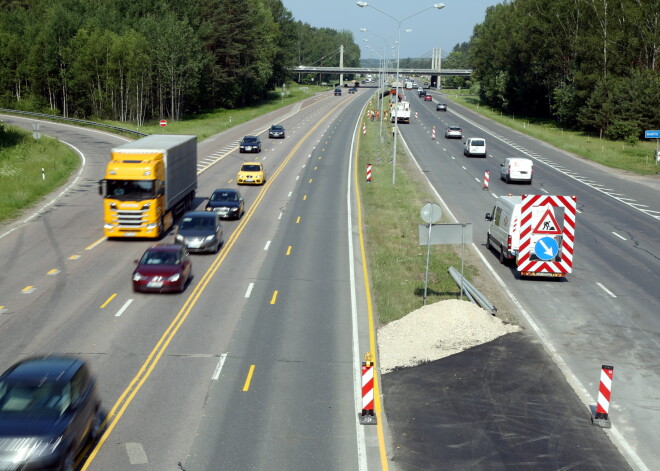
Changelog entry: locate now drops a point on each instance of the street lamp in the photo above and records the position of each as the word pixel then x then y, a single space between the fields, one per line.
pixel 437 6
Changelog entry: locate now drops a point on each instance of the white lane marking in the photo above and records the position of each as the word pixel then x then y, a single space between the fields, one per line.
pixel 136 453
pixel 606 290
pixel 542 189
pixel 267 245
pixel 249 290
pixel 96 243
pixel 290 193
pixel 218 368
pixel 280 216
pixel 619 236
pixel 477 179
pixel 463 168
pixel 124 307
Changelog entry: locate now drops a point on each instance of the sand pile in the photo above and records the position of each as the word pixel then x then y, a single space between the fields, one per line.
pixel 436 331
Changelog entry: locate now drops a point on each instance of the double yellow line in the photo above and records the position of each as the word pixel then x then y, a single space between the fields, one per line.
pixel 157 352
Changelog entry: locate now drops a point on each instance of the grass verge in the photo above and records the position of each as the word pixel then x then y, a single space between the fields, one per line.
pixel 637 158
pixel 397 262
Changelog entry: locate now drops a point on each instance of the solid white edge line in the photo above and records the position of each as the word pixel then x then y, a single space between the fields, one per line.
pixel 218 368
pixel 357 379
pixel 249 290
pixel 123 308
pixel 574 382
pixel 606 290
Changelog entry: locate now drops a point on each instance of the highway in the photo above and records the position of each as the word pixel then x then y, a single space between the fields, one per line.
pixel 607 312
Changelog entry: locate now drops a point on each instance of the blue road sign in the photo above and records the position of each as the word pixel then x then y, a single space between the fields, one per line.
pixel 546 248
pixel 652 134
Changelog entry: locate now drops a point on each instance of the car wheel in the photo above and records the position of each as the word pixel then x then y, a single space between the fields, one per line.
pixel 508 180
pixel 502 259
pixel 95 430
pixel 69 464
pixel 488 245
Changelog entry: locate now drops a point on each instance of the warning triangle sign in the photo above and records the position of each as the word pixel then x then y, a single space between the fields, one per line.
pixel 547 224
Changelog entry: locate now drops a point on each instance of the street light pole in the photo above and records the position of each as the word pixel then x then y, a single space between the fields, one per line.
pixel 438 6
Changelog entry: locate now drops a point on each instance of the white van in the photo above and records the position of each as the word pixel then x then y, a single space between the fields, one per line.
pixel 517 169
pixel 504 229
pixel 475 146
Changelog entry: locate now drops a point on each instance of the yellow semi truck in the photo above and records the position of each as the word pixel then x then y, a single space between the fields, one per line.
pixel 147 183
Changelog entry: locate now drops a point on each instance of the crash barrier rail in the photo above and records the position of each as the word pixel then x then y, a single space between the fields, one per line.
pixel 71 120
pixel 472 293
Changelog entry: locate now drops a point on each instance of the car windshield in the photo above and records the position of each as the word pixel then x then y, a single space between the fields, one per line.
pixel 45 399
pixel 224 196
pixel 479 143
pixel 250 168
pixel 159 257
pixel 249 140
pixel 276 128
pixel 131 189
pixel 196 223
pixel 454 128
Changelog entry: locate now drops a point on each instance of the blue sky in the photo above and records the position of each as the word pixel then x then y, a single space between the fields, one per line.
pixel 430 29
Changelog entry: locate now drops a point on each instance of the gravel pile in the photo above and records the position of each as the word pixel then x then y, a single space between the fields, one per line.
pixel 436 331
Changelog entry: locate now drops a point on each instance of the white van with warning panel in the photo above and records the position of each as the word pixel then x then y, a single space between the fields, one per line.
pixel 517 169
pixel 504 229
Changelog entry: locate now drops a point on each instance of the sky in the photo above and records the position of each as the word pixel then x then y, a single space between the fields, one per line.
pixel 430 29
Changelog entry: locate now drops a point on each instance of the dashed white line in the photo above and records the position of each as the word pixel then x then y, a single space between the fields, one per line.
pixel 606 290
pixel 136 453
pixel 267 245
pixel 619 236
pixel 218 368
pixel 249 290
pixel 123 308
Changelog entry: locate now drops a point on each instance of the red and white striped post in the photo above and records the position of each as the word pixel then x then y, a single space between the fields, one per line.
pixel 433 133
pixel 367 416
pixel 416 115
pixel 368 173
pixel 486 178
pixel 604 393
pixel 364 128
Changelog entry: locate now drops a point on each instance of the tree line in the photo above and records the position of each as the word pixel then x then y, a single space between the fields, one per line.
pixel 588 64
pixel 133 61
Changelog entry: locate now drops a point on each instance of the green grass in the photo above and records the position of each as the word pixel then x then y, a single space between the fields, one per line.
pixel 21 160
pixel 397 262
pixel 636 158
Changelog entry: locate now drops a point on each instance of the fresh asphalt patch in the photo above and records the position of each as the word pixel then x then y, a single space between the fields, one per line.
pixel 502 405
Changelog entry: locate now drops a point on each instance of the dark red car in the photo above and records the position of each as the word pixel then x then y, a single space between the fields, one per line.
pixel 163 268
pixel 428 98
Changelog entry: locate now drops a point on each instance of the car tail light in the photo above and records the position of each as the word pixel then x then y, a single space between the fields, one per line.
pixel 508 243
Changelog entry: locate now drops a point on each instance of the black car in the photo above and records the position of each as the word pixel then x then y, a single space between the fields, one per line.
pixel 441 107
pixel 228 203
pixel 200 231
pixel 352 90
pixel 337 91
pixel 49 409
pixel 276 131
pixel 250 144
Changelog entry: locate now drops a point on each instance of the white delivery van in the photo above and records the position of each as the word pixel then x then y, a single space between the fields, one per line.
pixel 504 228
pixel 475 146
pixel 517 169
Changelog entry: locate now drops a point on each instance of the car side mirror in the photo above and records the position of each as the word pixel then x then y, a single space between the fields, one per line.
pixel 501 165
pixel 489 217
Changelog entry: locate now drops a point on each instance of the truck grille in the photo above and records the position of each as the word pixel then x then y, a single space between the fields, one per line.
pixel 130 219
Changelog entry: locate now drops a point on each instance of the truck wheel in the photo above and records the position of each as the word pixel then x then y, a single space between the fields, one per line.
pixel 488 245
pixel 502 259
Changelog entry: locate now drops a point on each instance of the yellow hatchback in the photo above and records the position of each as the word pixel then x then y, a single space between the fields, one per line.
pixel 251 173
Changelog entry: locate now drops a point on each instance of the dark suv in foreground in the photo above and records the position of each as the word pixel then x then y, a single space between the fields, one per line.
pixel 49 408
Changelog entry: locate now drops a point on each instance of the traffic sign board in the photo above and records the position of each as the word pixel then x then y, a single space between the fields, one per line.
pixel 546 248
pixel 652 134
pixel 547 224
pixel 163 123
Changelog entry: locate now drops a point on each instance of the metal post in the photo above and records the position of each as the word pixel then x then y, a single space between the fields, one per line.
pixel 396 102
pixel 462 256
pixel 428 256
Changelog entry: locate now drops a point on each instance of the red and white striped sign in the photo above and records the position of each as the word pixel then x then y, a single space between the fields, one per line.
pixel 368 173
pixel 367 388
pixel 486 178
pixel 534 207
pixel 604 392
pixel 364 129
pixel 433 133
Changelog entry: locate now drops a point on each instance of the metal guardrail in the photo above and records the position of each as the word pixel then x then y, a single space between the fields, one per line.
pixel 71 120
pixel 472 293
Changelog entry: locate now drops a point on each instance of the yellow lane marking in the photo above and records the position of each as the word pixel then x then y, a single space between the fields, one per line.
pixel 246 386
pixel 274 298
pixel 127 396
pixel 298 220
pixel 74 257
pixel 370 313
pixel 108 301
pixel 28 289
pixel 304 197
pixel 288 251
pixel 54 271
pixel 315 168
pixel 310 180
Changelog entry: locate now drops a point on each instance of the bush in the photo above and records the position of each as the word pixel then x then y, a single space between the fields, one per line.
pixel 623 131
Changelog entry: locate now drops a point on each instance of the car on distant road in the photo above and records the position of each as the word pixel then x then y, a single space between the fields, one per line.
pixel 49 409
pixel 428 98
pixel 250 144
pixel 163 268
pixel 200 231
pixel 337 91
pixel 454 132
pixel 276 131
pixel 251 173
pixel 441 107
pixel 228 203
pixel 352 90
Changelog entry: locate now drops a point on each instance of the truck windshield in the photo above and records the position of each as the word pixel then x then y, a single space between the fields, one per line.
pixel 131 189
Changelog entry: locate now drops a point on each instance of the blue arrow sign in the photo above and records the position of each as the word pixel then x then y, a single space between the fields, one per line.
pixel 652 134
pixel 546 248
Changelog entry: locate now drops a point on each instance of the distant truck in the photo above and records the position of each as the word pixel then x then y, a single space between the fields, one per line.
pixel 409 85
pixel 147 183
pixel 401 111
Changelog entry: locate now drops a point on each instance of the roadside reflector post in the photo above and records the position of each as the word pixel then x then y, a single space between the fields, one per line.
pixel 368 173
pixel 486 178
pixel 601 417
pixel 433 133
pixel 364 129
pixel 367 416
